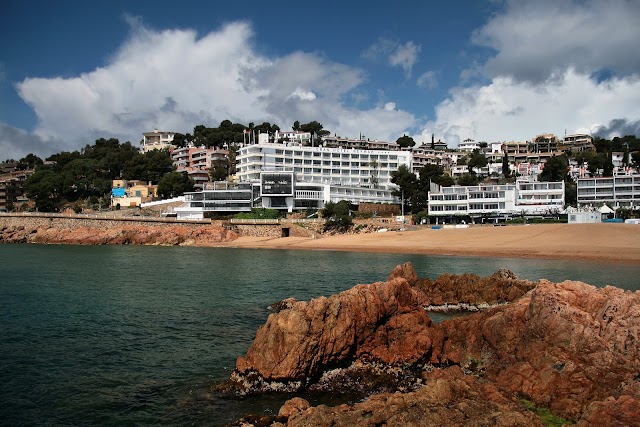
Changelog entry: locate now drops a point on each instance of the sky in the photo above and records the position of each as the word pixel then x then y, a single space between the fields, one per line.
pixel 494 70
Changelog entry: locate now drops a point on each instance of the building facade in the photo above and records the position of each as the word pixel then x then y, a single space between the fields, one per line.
pixel 323 165
pixel 275 190
pixel 196 161
pixel 523 197
pixel 157 140
pixel 615 191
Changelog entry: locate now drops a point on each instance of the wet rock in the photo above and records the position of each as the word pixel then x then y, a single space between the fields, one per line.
pixel 448 398
pixel 382 321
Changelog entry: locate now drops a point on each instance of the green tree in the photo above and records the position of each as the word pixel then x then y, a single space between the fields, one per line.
pixel 407 186
pixel 174 184
pixel 405 141
pixel 506 169
pixel 467 180
pixel 296 126
pixel 337 216
pixel 219 170
pixel 635 159
pixel 30 161
pixel 607 170
pixel 477 160
pixel 314 128
pixel 625 157
pixel 43 187
pixel 596 162
pixel 555 169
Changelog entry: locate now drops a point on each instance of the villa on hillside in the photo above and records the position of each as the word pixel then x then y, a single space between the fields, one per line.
pixel 157 140
pixel 131 193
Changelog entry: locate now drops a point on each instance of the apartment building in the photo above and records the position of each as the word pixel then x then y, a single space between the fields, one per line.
pixel 468 145
pixel 196 161
pixel 157 140
pixel 616 191
pixel 12 189
pixel 544 143
pixel 577 142
pixel 530 198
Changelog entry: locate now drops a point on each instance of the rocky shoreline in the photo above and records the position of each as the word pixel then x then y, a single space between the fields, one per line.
pixel 568 347
pixel 116 234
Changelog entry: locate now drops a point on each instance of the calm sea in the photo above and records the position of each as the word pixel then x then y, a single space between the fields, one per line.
pixel 133 335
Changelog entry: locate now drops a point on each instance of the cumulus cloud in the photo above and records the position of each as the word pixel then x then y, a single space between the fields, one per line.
pixel 303 95
pixel 617 127
pixel 390 106
pixel 175 79
pixel 428 80
pixel 16 143
pixel 508 109
pixel 396 54
pixel 534 40
pixel 558 65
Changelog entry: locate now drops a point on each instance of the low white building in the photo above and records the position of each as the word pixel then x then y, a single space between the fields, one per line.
pixel 616 191
pixel 523 197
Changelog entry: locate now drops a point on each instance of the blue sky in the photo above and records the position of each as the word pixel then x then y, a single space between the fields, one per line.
pixel 74 71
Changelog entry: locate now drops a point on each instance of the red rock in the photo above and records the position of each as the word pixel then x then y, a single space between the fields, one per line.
pixel 293 407
pixel 569 346
pixel 448 398
pixel 377 321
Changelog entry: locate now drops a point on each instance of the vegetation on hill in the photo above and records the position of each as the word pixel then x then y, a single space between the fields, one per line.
pixel 68 177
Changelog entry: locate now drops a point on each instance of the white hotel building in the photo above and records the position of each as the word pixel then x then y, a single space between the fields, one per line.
pixel 294 177
pixel 523 197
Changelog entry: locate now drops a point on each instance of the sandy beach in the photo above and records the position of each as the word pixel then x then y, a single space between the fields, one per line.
pixel 611 243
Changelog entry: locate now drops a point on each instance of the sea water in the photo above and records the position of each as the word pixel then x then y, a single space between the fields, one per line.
pixel 134 335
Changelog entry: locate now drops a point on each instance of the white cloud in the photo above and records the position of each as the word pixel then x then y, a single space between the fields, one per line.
pixel 405 56
pixel 542 77
pixel 508 109
pixel 428 80
pixel 303 94
pixel 534 40
pixel 389 106
pixel 175 80
pixel 396 54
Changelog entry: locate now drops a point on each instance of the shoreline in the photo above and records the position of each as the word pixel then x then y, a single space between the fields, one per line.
pixel 604 243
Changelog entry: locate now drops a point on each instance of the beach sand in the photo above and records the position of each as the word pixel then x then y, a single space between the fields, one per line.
pixel 611 243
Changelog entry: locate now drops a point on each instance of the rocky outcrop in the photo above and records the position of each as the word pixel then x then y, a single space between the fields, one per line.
pixel 448 398
pixel 569 347
pixel 381 321
pixel 469 292
pixel 564 345
pixel 120 234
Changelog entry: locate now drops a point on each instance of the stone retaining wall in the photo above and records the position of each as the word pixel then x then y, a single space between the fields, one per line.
pixel 97 223
pixel 61 223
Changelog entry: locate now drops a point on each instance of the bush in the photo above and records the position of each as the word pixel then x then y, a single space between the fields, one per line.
pixel 417 218
pixel 338 216
pixel 259 213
